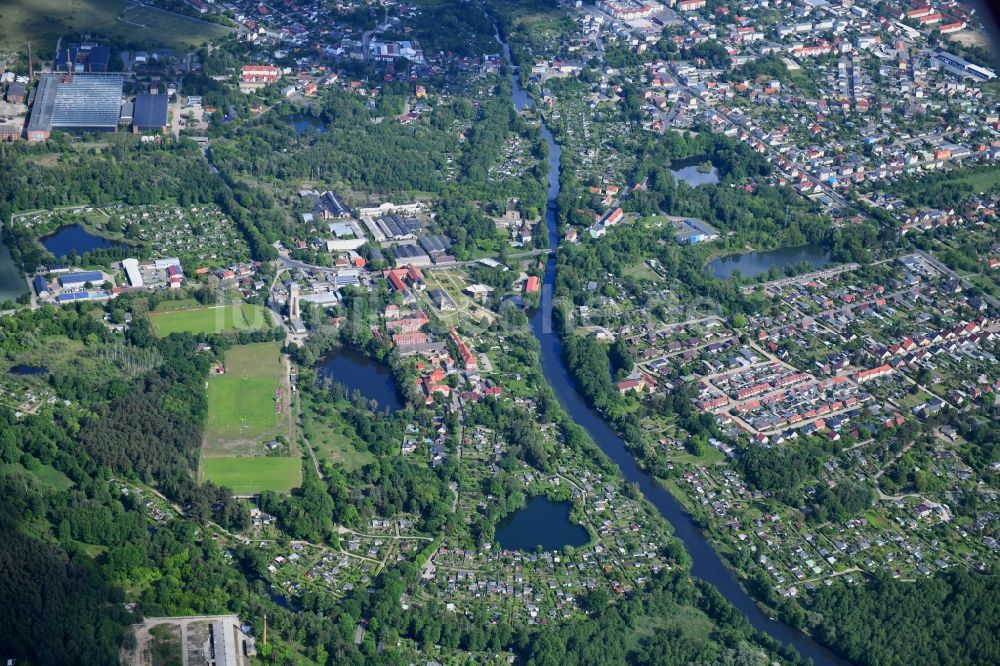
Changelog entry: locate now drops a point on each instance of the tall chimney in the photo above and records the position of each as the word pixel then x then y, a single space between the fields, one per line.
pixel 31 66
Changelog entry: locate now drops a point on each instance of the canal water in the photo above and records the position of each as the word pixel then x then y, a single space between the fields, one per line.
pixel 541 522
pixel 752 264
pixel 74 237
pixel 350 367
pixel 706 563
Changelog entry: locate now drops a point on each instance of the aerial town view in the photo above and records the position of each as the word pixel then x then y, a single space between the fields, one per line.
pixel 541 332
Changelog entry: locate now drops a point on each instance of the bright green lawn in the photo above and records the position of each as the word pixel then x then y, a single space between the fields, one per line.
pixel 249 476
pixel 982 181
pixel 241 402
pixel 47 475
pixel 215 319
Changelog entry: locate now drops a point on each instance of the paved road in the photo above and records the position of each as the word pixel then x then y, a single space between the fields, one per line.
pixel 824 273
pixel 965 282
pixel 288 262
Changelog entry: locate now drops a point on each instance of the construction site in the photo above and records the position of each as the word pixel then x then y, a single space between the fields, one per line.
pixel 203 640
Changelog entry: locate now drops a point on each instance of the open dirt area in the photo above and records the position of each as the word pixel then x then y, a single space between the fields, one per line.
pixel 969 38
pixel 189 641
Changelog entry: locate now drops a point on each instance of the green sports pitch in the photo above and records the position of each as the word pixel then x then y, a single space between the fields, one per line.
pixel 212 319
pixel 247 403
pixel 249 476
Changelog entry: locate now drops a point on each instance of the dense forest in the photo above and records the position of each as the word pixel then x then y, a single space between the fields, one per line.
pixel 952 618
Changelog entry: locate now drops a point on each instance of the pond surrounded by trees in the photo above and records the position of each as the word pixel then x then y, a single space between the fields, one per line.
pixel 541 522
pixel 302 122
pixel 691 171
pixel 23 369
pixel 74 238
pixel 355 371
pixel 12 283
pixel 752 264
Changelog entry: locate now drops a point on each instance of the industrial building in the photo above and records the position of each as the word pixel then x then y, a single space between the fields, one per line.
pixel 16 93
pixel 962 67
pixel 83 59
pixel 73 296
pixel 89 102
pixel 131 267
pixel 435 246
pixel 330 205
pixel 223 643
pixel 150 113
pixel 125 116
pixel 397 227
pixel 411 254
pixel 41 286
pixel 691 231
pixel 81 278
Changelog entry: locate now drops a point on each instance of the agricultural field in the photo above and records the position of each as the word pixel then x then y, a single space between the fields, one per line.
pixel 211 319
pixel 248 403
pixel 42 22
pixel 249 476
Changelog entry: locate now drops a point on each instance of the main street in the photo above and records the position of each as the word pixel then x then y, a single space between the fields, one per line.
pixel 286 263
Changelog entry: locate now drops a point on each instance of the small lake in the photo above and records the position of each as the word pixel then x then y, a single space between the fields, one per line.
pixel 354 370
pixel 74 237
pixel 541 523
pixel 12 283
pixel 752 264
pixel 687 170
pixel 301 122
pixel 22 369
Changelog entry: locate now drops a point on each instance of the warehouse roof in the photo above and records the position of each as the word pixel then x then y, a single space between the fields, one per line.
pixel 83 101
pixel 408 252
pixel 150 111
pixel 435 245
pixel 82 277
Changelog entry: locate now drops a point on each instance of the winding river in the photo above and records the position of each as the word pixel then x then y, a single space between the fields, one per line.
pixel 706 563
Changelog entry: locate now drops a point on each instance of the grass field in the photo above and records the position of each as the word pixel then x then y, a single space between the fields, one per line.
pixel 641 271
pixel 982 181
pixel 249 476
pixel 46 475
pixel 42 22
pixel 328 435
pixel 214 319
pixel 691 622
pixel 241 402
pixel 242 417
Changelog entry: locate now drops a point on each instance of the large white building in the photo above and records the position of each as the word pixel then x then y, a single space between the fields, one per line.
pixel 131 267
